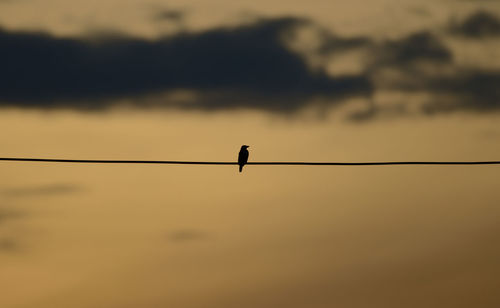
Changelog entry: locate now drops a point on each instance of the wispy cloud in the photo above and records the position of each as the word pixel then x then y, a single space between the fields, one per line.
pixel 411 50
pixel 43 190
pixel 170 15
pixel 6 215
pixel 186 235
pixel 8 243
pixel 480 24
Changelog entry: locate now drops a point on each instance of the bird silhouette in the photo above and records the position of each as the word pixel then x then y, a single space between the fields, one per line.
pixel 243 156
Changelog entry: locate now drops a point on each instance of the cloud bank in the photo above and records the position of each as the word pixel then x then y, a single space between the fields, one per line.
pixel 250 61
pixel 249 66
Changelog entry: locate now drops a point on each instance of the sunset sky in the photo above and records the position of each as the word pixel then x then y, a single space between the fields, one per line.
pixel 340 81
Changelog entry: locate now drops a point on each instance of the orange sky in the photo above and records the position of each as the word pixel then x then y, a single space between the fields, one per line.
pixel 274 236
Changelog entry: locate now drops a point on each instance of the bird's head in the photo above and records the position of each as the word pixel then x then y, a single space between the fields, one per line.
pixel 244 147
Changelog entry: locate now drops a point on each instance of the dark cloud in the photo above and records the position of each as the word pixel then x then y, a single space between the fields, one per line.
pixel 422 63
pixel 471 90
pixel 248 66
pixel 333 44
pixel 478 25
pixel 408 58
pixel 170 15
pixel 55 189
pixel 467 90
pixel 412 50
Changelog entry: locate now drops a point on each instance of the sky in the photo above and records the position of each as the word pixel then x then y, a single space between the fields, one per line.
pixel 380 80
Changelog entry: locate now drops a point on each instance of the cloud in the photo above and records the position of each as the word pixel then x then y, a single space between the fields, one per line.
pixel 470 90
pixel 10 2
pixel 7 242
pixel 478 25
pixel 8 245
pixel 44 190
pixel 333 44
pixel 412 49
pixel 186 235
pixel 170 15
pixel 422 63
pixel 8 214
pixel 248 66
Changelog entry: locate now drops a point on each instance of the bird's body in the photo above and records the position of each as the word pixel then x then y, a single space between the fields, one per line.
pixel 243 156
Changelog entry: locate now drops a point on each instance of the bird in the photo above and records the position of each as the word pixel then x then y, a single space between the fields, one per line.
pixel 243 156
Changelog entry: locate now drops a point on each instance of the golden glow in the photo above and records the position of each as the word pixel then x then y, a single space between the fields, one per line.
pixel 207 236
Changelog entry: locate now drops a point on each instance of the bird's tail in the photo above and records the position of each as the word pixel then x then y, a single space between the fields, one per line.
pixel 241 168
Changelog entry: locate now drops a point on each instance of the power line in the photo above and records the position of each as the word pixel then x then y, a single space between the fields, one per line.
pixel 177 162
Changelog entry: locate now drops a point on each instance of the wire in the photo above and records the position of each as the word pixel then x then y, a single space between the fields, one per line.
pixel 176 162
